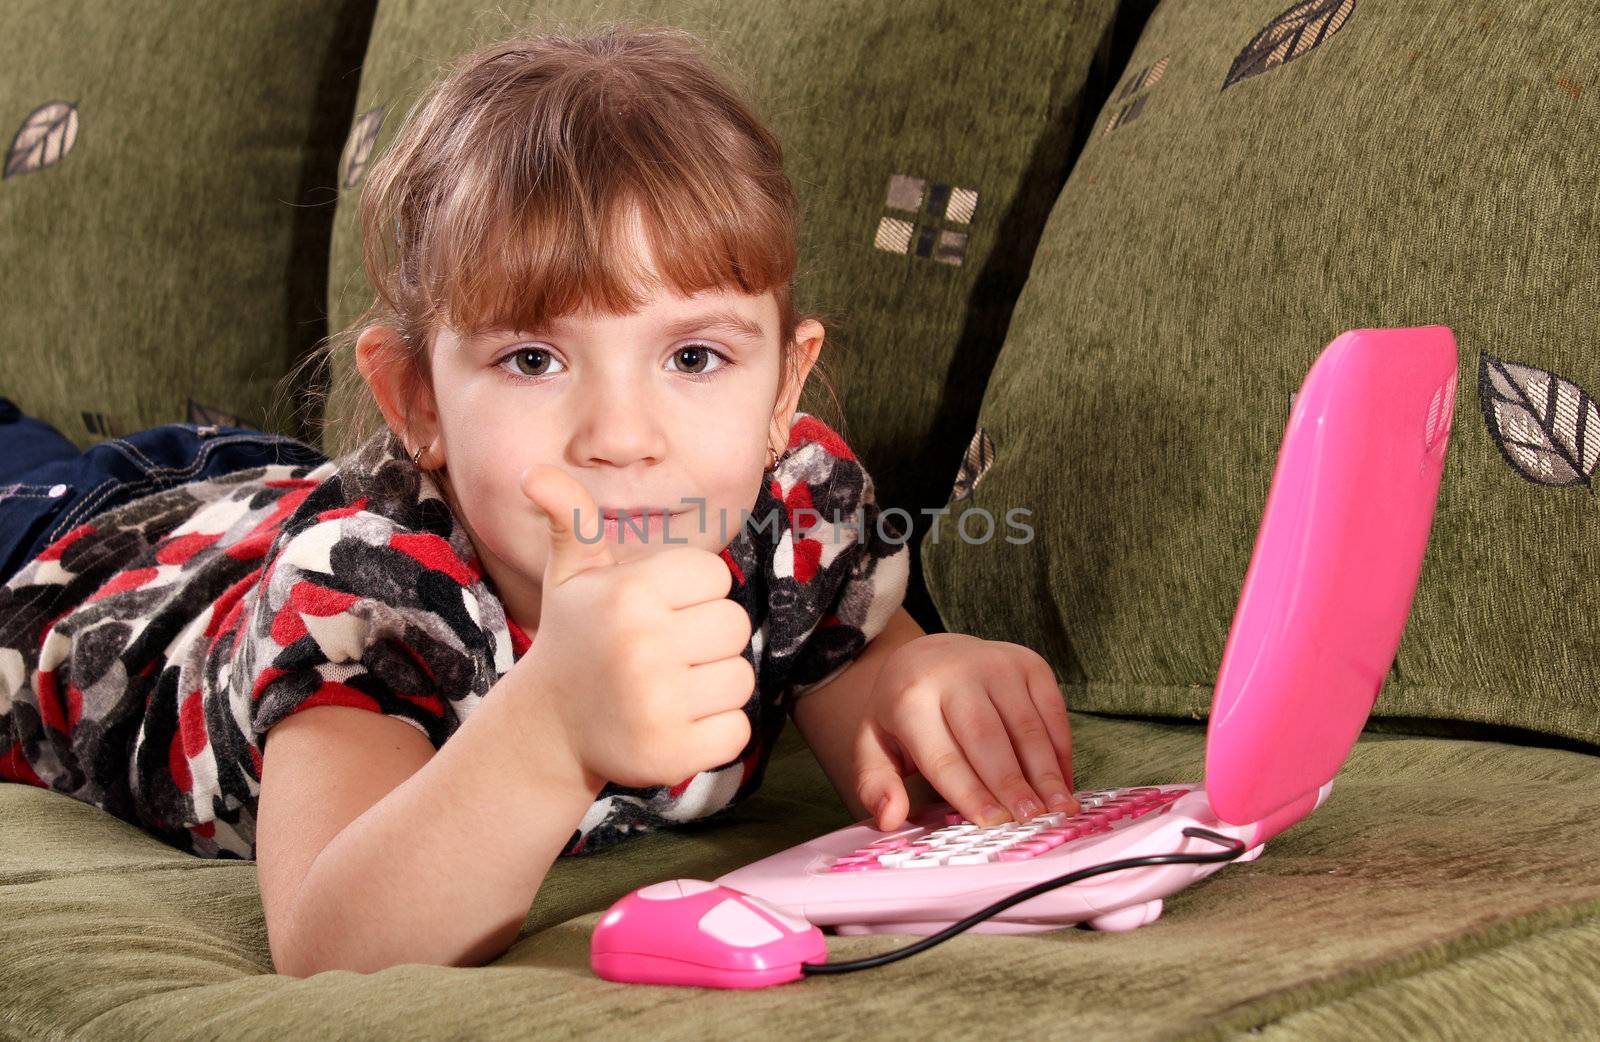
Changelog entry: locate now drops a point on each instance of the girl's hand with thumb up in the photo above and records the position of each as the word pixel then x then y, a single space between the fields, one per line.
pixel 643 660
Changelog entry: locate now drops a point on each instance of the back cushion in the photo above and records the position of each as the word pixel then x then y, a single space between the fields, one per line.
pixel 1263 178
pixel 926 143
pixel 167 204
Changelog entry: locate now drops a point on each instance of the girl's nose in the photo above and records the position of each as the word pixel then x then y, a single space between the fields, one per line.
pixel 618 426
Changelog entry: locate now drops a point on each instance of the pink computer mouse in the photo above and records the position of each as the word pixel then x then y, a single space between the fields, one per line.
pixel 686 931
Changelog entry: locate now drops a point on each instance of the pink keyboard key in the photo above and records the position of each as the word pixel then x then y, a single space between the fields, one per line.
pixel 855 866
pixel 1021 852
pixel 1063 832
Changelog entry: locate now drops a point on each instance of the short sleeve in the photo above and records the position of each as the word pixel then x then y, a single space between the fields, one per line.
pixel 839 568
pixel 372 634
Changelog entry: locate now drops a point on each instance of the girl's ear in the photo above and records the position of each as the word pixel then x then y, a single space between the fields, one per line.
pixel 405 402
pixel 808 337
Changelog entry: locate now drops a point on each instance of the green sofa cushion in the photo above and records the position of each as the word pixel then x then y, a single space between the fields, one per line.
pixel 926 143
pixel 1256 185
pixel 167 205
pixel 1431 853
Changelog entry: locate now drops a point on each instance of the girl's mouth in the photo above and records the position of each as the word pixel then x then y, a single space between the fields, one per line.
pixel 641 526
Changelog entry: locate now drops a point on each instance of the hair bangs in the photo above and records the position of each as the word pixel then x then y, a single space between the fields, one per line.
pixel 530 233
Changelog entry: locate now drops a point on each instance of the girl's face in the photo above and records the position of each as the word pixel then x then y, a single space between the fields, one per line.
pixel 657 410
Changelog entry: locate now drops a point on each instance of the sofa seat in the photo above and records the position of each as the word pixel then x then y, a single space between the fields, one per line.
pixel 1447 885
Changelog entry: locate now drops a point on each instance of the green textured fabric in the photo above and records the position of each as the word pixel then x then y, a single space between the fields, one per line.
pixel 1429 854
pixel 1241 202
pixel 167 204
pixel 1545 986
pixel 955 95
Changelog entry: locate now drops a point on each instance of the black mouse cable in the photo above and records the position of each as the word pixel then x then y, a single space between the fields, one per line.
pixel 1236 847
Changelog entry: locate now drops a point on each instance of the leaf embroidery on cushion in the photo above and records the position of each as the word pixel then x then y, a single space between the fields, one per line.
pixel 974 465
pixel 210 416
pixel 102 425
pixel 1146 78
pixel 1545 426
pixel 358 148
pixel 1288 36
pixel 46 135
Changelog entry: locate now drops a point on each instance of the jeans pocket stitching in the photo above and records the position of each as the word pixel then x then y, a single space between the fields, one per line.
pixel 85 506
pixel 152 469
pixel 153 475
pixel 90 502
pixel 28 491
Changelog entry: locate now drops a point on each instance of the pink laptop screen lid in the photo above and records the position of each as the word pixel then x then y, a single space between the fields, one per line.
pixel 1335 567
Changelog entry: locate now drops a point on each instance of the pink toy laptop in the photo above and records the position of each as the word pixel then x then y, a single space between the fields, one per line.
pixel 1320 616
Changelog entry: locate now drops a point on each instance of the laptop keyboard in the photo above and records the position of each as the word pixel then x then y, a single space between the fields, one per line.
pixel 958 841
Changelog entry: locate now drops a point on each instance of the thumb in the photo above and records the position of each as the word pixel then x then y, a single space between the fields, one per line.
pixel 878 782
pixel 571 513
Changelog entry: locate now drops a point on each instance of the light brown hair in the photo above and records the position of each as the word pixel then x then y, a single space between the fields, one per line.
pixel 500 203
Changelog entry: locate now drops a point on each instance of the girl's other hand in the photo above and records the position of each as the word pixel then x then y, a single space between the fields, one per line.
pixel 983 721
pixel 643 660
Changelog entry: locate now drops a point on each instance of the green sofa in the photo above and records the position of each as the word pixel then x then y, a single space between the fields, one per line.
pixel 1079 253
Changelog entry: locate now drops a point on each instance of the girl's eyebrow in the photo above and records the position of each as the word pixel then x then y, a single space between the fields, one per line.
pixel 726 321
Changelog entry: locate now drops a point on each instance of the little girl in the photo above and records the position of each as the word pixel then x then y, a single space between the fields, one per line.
pixel 577 562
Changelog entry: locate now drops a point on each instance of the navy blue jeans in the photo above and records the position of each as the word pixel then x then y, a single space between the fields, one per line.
pixel 48 486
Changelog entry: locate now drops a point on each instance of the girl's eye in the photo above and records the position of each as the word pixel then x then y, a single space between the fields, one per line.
pixel 531 361
pixel 696 357
pixel 694 360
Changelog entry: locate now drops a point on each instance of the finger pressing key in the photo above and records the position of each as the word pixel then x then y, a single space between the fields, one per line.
pixel 941 761
pixel 988 745
pixel 1031 738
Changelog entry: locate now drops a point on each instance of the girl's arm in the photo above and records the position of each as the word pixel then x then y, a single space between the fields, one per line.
pixel 830 716
pixel 373 849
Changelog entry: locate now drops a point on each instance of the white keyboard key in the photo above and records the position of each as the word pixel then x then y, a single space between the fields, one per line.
pixel 896 857
pixel 973 857
pixel 925 861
